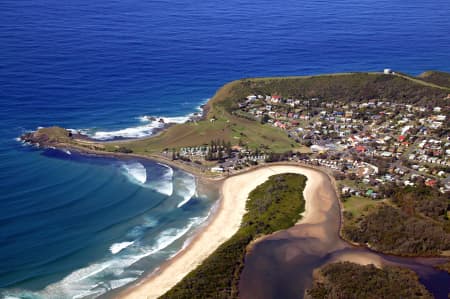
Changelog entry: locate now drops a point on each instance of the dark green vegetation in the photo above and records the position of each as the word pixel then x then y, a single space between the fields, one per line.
pixel 415 223
pixel 348 280
pixel 436 77
pixel 423 201
pixel 339 87
pixel 272 206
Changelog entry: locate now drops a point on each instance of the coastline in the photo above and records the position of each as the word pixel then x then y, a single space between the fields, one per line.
pixel 193 250
pixel 225 222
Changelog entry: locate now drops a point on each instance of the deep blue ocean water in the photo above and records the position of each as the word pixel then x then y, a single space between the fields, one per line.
pixel 73 225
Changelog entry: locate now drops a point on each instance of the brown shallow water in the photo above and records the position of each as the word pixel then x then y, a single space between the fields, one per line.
pixel 281 265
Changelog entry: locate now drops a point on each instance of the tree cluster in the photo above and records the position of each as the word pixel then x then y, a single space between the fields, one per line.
pixel 218 150
pixel 272 206
pixel 391 230
pixel 348 280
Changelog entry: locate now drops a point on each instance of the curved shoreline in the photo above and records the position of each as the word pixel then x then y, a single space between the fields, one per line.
pixel 138 289
pixel 226 221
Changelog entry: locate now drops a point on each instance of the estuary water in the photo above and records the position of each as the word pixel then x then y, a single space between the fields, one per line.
pixel 73 226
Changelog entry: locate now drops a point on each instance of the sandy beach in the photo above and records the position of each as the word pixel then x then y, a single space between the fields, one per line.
pixel 226 222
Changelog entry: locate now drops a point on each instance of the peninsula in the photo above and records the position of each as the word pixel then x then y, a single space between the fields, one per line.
pixel 379 142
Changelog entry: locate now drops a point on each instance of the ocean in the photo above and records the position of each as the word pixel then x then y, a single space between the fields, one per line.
pixel 74 226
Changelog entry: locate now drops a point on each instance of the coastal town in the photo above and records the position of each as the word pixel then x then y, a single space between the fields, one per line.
pixel 370 146
pixel 374 149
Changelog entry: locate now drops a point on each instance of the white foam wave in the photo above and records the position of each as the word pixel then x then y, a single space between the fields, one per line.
pixel 136 171
pixel 187 190
pixel 170 170
pixel 67 152
pixel 134 132
pixel 165 184
pixel 118 247
pixel 114 284
pixel 151 124
pixel 139 230
pixel 98 278
pixel 165 120
pixel 167 237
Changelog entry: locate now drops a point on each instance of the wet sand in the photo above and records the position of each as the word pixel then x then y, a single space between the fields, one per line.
pixel 224 224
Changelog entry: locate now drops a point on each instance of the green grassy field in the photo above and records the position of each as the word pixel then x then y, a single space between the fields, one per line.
pixel 229 127
pixel 358 205
pixel 226 127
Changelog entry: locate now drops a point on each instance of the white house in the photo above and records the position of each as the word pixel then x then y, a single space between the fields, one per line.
pixel 251 97
pixel 217 169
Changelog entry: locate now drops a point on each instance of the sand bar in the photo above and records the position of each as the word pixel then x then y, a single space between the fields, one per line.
pixel 226 222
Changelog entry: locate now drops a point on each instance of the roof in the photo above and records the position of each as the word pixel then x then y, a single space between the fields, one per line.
pixel 360 148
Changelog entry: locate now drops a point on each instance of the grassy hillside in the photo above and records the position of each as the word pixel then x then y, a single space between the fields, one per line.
pixel 225 127
pixel 342 87
pixel 272 206
pixel 228 127
pixel 348 280
pixel 221 123
pixel 436 77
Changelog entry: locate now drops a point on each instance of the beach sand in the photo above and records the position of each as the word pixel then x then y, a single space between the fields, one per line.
pixel 225 223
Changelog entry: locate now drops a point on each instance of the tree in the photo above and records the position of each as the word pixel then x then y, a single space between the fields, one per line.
pixel 174 156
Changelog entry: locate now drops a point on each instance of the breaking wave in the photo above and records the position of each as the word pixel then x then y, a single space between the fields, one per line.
pixel 165 120
pixel 134 132
pixel 118 247
pixel 187 189
pixel 161 183
pixel 165 184
pixel 136 172
pixel 112 273
pixel 139 230
pixel 147 129
pixel 152 123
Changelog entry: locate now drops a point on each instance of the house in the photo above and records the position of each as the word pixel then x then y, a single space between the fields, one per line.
pixel 318 148
pixel 387 71
pixel 430 183
pixel 275 99
pixel 360 148
pixel 386 154
pixel 437 109
pixel 217 169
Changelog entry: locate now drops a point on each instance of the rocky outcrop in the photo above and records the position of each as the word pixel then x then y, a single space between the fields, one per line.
pixel 48 136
